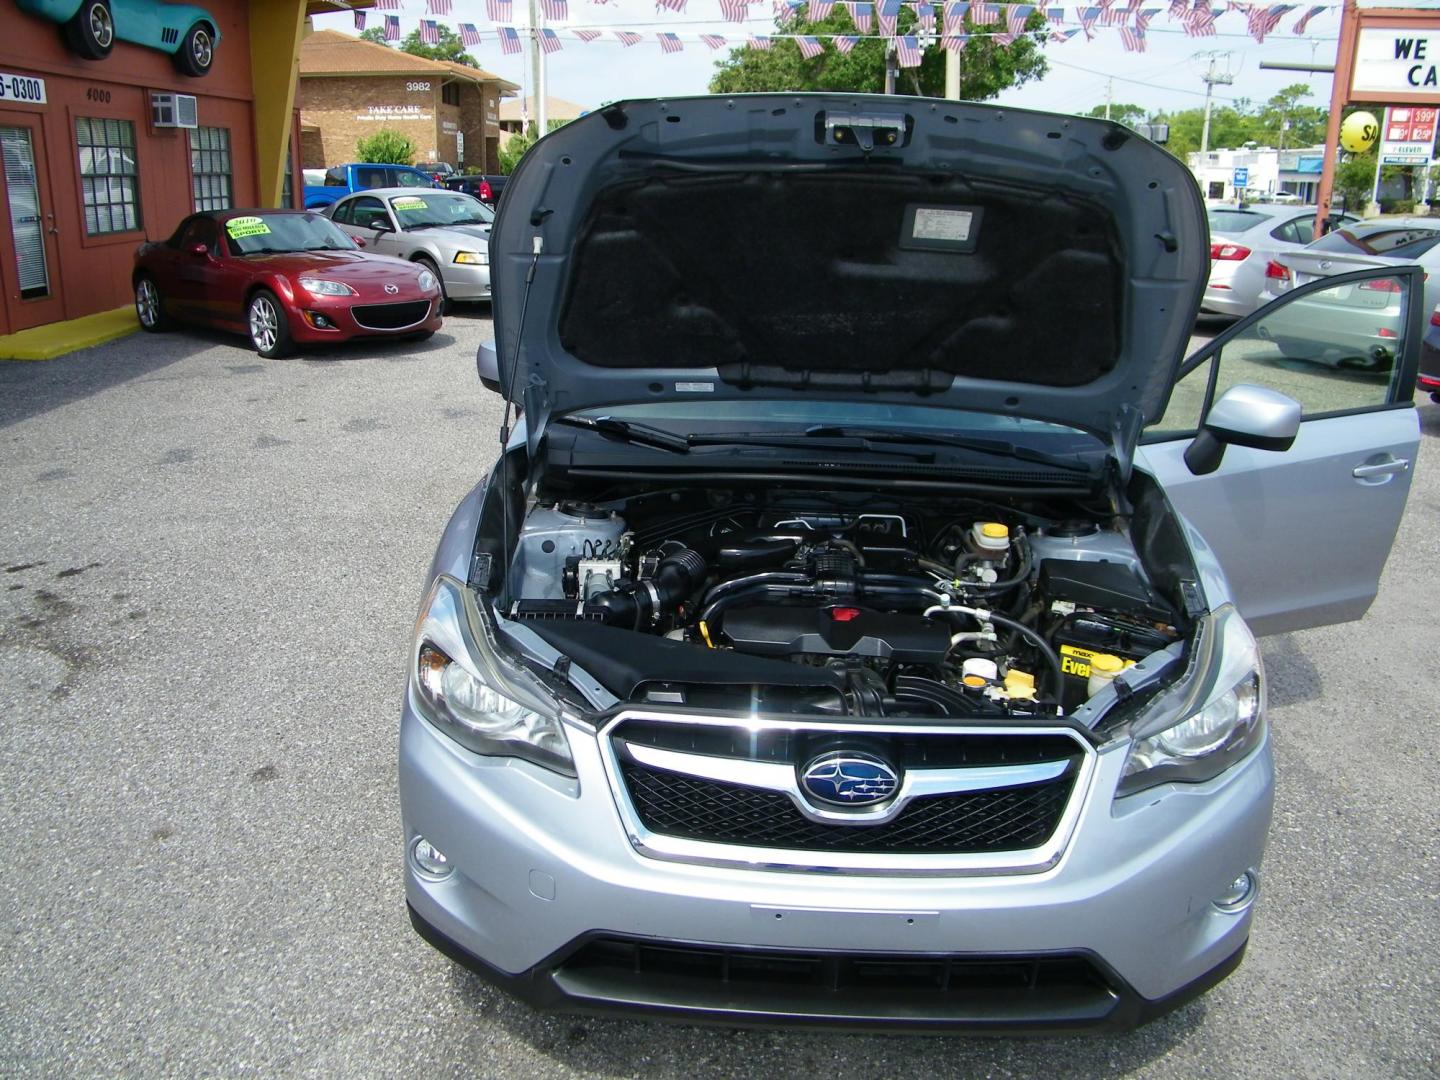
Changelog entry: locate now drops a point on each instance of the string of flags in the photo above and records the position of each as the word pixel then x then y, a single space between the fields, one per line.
pixel 958 20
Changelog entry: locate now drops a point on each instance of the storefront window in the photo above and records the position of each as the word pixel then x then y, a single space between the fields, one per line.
pixel 210 168
pixel 108 178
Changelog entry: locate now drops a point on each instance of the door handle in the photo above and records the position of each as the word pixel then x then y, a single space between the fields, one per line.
pixel 1380 468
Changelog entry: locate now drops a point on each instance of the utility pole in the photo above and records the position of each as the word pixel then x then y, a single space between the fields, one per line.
pixel 537 71
pixel 892 67
pixel 952 74
pixel 1109 94
pixel 1211 78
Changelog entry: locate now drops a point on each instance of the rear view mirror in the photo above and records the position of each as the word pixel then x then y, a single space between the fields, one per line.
pixel 1245 415
pixel 487 362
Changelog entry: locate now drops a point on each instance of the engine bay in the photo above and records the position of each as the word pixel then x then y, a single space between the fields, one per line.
pixel 841 603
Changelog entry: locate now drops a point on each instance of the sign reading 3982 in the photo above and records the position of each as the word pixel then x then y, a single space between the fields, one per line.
pixel 21 89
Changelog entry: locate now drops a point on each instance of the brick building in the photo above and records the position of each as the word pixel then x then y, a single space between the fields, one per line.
pixel 350 88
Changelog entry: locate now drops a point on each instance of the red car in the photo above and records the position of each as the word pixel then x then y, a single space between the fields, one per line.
pixel 285 277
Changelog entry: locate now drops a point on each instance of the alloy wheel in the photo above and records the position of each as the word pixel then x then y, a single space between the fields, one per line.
pixel 147 302
pixel 101 27
pixel 264 323
pixel 201 49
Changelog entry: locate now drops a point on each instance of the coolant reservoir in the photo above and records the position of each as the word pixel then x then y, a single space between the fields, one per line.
pixel 1103 669
pixel 989 539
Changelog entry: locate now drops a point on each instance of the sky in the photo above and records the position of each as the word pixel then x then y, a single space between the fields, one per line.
pixel 1167 76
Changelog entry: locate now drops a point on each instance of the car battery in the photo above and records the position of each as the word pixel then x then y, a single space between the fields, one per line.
pixel 1082 635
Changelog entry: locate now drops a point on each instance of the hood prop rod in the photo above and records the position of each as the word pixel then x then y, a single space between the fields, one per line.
pixel 539 246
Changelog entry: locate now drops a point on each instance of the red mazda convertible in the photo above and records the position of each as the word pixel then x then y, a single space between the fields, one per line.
pixel 285 278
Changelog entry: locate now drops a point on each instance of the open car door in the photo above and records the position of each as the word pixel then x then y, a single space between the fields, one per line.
pixel 1304 533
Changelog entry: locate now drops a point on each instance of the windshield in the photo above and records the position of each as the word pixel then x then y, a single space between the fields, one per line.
pixel 688 418
pixel 438 209
pixel 1235 221
pixel 266 234
pixel 1404 242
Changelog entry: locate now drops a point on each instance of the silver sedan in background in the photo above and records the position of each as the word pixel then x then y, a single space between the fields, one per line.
pixel 447 231
pixel 1243 240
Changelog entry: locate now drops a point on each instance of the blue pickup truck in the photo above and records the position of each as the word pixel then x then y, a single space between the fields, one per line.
pixel 341 180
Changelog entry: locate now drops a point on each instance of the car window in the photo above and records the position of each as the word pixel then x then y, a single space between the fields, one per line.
pixel 440 208
pixel 369 213
pixel 1235 221
pixel 201 230
pixel 266 233
pixel 1404 242
pixel 1333 350
pixel 335 178
pixel 341 212
pixel 405 178
pixel 1300 230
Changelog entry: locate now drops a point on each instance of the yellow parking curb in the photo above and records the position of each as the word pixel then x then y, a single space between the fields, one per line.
pixel 56 339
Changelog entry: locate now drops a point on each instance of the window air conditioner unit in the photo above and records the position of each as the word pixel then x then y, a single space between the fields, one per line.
pixel 174 111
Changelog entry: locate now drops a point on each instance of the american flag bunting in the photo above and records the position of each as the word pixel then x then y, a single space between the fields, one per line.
pixel 759 41
pixel 469 35
pixel 438 7
pixel 1087 20
pixel 359 19
pixel 844 43
pixel 670 43
pixel 1055 16
pixel 549 40
pixel 1015 19
pixel 954 42
pixel 1059 37
pixel 429 31
pixel 588 36
pixel 733 10
pixel 387 5
pixel 887 16
pixel 1304 20
pixel 860 15
pixel 925 18
pixel 714 41
pixel 498 11
pixel 555 10
pixel 392 27
pixel 810 47
pixel 819 9
pixel 984 14
pixel 509 40
pixel 628 37
pixel 954 18
pixel 670 5
pixel 908 53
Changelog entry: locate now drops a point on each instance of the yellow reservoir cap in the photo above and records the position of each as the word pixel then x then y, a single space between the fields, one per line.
pixel 994 530
pixel 1106 662
pixel 975 681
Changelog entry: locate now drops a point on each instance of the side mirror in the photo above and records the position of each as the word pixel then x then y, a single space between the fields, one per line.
pixel 1245 415
pixel 359 241
pixel 200 251
pixel 487 362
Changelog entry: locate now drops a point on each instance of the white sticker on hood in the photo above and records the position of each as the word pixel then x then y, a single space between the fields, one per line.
pixel 935 224
pixel 694 387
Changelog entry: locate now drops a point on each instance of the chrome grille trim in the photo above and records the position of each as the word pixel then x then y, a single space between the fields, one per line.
pixel 677 849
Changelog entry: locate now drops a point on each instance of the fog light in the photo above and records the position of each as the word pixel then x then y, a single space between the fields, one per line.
pixel 1239 894
pixel 319 321
pixel 429 859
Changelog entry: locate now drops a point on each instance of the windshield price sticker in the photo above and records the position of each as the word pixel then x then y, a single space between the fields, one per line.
pixel 409 202
pixel 933 224
pixel 22 88
pixel 241 227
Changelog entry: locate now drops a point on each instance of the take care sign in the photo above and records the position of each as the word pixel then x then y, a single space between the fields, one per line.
pixel 1401 62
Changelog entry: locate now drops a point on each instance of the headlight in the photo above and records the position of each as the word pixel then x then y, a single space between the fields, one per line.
pixel 324 287
pixel 1221 714
pixel 470 692
pixel 472 258
pixel 427 280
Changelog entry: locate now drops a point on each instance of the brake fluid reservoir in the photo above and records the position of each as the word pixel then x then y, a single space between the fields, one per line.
pixel 989 539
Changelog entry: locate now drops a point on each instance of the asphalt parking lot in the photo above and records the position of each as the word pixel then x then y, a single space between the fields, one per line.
pixel 209 568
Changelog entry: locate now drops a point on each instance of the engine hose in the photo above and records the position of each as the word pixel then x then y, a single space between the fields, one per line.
pixel 1051 657
pixel 768 577
pixel 1026 561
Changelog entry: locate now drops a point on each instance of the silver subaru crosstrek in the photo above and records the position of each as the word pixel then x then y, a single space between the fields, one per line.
pixel 857 628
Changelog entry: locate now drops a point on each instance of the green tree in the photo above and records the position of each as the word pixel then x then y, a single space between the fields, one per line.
pixel 385 147
pixel 986 68
pixel 1121 112
pixel 1285 120
pixel 448 48
pixel 1230 127
pixel 519 142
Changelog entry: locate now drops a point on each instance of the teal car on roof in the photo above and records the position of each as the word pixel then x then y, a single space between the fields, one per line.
pixel 188 33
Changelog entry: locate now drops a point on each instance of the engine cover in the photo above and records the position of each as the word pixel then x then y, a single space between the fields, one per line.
pixel 776 630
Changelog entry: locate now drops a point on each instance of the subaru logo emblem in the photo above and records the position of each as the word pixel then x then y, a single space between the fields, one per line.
pixel 849 779
pixel 1326 264
pixel 392 289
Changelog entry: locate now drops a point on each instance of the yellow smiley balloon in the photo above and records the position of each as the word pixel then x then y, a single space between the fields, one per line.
pixel 1359 131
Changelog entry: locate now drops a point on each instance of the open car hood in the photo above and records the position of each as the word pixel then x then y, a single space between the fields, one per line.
pixel 848 246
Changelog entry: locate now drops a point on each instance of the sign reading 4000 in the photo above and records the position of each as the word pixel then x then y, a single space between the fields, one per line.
pixel 1399 62
pixel 24 89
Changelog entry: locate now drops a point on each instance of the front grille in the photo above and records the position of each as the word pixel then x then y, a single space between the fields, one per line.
pixel 800 983
pixel 391 316
pixel 1003 819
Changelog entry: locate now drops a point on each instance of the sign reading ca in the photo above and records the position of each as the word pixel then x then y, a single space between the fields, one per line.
pixel 1405 63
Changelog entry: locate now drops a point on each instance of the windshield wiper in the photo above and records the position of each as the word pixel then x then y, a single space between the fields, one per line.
pixel 998 447
pixel 628 431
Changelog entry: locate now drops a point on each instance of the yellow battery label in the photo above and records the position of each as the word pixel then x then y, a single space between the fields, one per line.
pixel 1076 661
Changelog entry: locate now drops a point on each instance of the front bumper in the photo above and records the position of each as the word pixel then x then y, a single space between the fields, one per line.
pixel 542 868
pixel 342 323
pixel 466 282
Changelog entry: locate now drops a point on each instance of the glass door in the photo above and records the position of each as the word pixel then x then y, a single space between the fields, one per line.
pixel 31 290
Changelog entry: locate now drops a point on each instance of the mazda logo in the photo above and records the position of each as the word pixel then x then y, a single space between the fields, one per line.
pixel 849 779
pixel 392 289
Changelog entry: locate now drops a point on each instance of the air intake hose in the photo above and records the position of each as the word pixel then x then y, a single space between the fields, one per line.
pixel 679 574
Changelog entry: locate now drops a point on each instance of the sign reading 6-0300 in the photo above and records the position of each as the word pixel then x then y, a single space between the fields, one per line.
pixel 24 89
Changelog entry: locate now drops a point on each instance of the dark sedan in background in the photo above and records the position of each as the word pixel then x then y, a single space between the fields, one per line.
pixel 284 278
